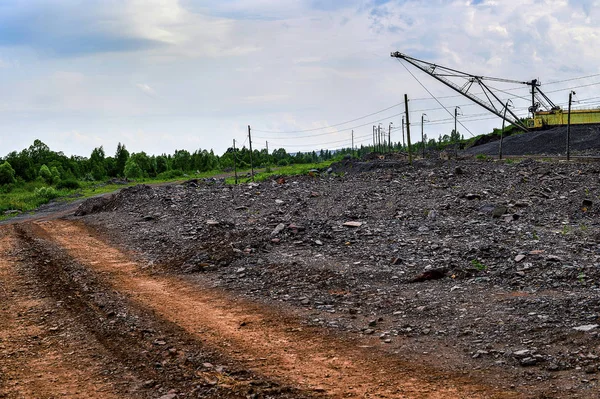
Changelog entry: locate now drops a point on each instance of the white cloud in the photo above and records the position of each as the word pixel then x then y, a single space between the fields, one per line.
pixel 146 89
pixel 220 66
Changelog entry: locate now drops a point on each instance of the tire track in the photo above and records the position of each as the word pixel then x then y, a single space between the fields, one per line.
pixel 41 358
pixel 263 339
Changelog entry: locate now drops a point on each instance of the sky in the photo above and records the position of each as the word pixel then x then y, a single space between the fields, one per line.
pixel 161 75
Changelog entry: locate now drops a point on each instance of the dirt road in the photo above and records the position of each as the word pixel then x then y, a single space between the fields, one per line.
pixel 81 319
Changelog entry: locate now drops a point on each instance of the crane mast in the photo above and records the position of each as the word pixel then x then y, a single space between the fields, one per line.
pixel 491 102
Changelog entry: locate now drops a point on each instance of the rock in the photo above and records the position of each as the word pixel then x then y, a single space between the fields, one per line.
pixel 352 224
pixel 522 353
pixel 587 327
pixel 169 396
pixel 148 217
pixel 528 361
pixel 586 204
pixel 458 170
pixel 519 258
pixel 433 274
pixel 472 196
pixel 319 242
pixel 372 323
pixel 591 369
pixel 279 202
pixel 278 229
pixel 212 222
pixel 432 214
pixel 499 211
pixel 522 204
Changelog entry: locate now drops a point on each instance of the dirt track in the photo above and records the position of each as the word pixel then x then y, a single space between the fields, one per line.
pixel 78 336
pixel 212 291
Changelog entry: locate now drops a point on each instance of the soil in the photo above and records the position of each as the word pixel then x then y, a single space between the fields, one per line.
pixel 445 279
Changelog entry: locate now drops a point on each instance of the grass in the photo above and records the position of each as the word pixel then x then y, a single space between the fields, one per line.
pixel 478 265
pixel 27 197
pixel 291 170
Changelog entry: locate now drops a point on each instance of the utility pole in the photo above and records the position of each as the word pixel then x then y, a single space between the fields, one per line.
pixel 373 138
pixel 251 163
pixel 407 128
pixel 508 102
pixel 456 131
pixel 403 139
pixel 569 127
pixel 423 135
pixel 379 137
pixel 353 143
pixel 234 163
pixel 268 163
pixel 390 137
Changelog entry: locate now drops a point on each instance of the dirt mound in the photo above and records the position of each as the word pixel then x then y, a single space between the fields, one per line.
pixel 93 205
pixel 585 140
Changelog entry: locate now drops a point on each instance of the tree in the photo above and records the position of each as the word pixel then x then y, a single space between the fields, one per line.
pixel 121 157
pixel 7 174
pixel 45 174
pixel 132 170
pixel 97 166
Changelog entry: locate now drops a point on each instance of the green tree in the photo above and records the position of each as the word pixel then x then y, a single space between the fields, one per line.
pixel 97 166
pixel 7 174
pixel 55 175
pixel 45 174
pixel 121 157
pixel 132 170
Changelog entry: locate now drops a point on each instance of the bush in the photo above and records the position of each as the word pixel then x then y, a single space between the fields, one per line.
pixel 46 193
pixel 45 174
pixel 170 174
pixel 133 170
pixel 7 174
pixel 69 184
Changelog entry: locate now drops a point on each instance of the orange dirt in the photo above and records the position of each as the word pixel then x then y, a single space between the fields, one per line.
pixel 41 358
pixel 263 339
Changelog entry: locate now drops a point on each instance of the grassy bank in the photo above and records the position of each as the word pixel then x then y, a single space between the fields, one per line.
pixel 26 197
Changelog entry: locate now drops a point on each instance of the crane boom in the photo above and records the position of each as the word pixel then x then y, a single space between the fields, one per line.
pixel 493 104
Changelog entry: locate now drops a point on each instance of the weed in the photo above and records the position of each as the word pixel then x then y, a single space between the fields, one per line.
pixel 478 265
pixel 565 230
pixel 481 156
pixel 535 235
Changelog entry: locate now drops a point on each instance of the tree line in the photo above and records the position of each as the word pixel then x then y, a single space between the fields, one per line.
pixel 39 162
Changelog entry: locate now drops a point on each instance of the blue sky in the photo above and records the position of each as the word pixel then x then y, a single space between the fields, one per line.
pixel 165 75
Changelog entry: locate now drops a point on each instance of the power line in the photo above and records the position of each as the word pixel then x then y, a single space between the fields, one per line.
pixel 438 101
pixel 330 126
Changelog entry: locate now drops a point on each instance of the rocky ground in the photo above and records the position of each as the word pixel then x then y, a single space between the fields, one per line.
pixel 585 141
pixel 492 265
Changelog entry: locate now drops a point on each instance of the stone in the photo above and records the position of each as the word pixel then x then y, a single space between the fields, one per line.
pixel 472 196
pixel 528 361
pixel 278 229
pixel 586 327
pixel 522 353
pixel 352 224
pixel 519 258
pixel 499 211
pixel 212 222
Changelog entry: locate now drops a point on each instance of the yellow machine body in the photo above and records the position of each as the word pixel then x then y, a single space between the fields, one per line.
pixel 546 119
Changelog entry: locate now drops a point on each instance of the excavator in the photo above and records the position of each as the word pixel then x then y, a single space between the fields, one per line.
pixel 543 112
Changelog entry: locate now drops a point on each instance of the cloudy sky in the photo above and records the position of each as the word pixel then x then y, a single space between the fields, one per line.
pixel 160 75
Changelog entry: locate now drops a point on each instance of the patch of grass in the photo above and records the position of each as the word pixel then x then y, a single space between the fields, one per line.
pixel 290 170
pixel 478 265
pixel 482 157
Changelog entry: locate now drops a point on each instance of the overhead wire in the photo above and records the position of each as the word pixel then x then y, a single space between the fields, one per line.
pixel 423 86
